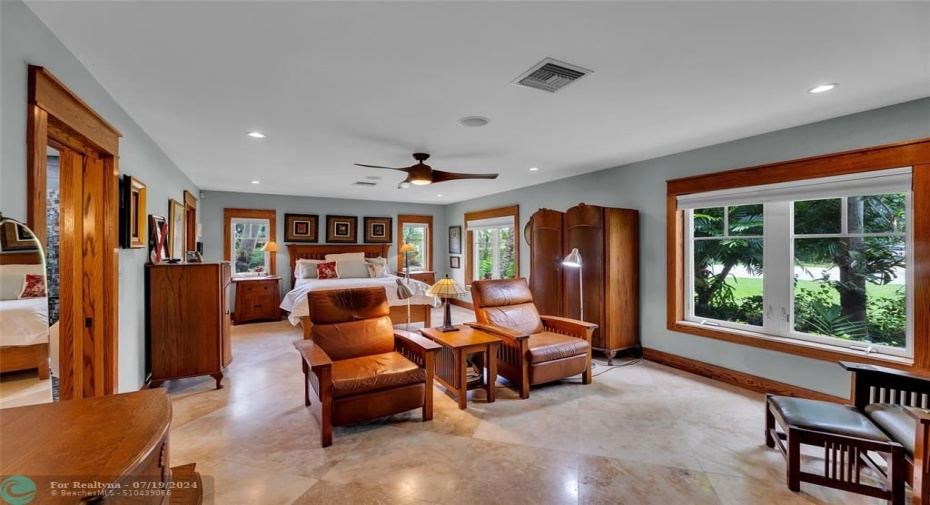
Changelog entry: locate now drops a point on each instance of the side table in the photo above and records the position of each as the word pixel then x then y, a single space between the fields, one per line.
pixel 452 360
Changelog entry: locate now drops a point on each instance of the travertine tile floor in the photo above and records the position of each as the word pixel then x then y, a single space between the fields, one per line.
pixel 639 434
pixel 18 389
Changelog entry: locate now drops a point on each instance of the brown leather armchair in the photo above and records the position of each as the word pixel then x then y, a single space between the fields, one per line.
pixel 534 349
pixel 357 365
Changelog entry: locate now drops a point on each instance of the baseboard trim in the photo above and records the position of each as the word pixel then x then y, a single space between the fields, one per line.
pixel 461 303
pixel 738 379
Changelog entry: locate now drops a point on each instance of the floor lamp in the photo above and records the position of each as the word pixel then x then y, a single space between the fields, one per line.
pixel 404 293
pixel 573 260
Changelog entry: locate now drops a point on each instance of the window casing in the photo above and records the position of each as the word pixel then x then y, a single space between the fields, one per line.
pixel 915 154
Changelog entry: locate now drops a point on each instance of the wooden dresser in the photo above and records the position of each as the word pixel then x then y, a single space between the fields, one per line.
pixel 115 442
pixel 188 327
pixel 257 298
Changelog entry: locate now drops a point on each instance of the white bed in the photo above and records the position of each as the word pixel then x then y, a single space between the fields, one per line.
pixel 23 322
pixel 295 301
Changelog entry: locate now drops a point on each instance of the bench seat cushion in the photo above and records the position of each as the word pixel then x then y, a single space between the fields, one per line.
pixel 827 417
pixel 366 374
pixel 896 422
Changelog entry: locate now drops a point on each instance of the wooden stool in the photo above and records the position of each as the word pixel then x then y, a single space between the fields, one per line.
pixel 845 435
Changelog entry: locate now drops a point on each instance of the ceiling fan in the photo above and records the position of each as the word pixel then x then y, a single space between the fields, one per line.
pixel 422 174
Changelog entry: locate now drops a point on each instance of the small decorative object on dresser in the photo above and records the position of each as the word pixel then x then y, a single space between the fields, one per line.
pixel 301 228
pixel 132 213
pixel 342 229
pixel 194 257
pixel 257 298
pixel 158 239
pixel 378 230
pixel 455 240
pixel 175 229
pixel 455 262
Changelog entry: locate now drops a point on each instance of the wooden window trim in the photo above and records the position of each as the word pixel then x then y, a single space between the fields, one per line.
pixel 915 153
pixel 403 219
pixel 270 215
pixel 190 221
pixel 511 211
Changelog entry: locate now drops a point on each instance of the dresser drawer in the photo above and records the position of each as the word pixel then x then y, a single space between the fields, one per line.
pixel 258 287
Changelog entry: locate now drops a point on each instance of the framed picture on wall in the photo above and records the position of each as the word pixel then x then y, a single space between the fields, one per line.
pixel 16 237
pixel 342 229
pixel 301 228
pixel 455 262
pixel 158 239
pixel 379 230
pixel 175 229
pixel 455 240
pixel 132 213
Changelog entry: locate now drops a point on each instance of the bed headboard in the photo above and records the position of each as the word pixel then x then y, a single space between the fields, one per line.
pixel 319 252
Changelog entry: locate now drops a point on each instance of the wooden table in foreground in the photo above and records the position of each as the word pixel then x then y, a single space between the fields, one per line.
pixel 109 449
pixel 452 361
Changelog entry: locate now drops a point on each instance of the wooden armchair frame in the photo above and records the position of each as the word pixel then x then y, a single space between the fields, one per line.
pixel 875 384
pixel 317 368
pixel 512 360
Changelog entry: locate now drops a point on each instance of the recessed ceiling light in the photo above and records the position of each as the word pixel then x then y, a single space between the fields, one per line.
pixel 440 196
pixel 256 182
pixel 256 135
pixel 474 121
pixel 822 88
pixel 534 169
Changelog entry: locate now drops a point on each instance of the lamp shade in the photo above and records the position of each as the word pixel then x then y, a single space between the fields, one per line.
pixel 270 247
pixel 407 248
pixel 445 288
pixel 573 259
pixel 403 290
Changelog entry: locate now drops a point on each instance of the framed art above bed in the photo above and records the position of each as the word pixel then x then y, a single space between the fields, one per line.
pixel 342 229
pixel 301 228
pixel 379 230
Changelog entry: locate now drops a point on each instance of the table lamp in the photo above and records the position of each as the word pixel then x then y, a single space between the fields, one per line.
pixel 446 288
pixel 270 247
pixel 573 260
pixel 404 293
pixel 405 250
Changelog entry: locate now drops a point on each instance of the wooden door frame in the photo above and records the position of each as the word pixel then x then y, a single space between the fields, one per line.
pixel 55 113
pixel 190 225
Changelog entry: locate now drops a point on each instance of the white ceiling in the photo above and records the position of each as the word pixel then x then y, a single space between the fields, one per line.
pixel 338 83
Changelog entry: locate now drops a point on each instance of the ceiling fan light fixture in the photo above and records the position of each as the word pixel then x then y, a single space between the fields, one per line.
pixel 420 181
pixel 474 121
pixel 403 185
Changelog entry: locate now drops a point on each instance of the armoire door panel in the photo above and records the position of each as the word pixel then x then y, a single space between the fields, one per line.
pixel 546 261
pixel 621 321
pixel 584 229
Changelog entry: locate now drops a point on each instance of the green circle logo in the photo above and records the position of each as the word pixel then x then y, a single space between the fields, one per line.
pixel 17 490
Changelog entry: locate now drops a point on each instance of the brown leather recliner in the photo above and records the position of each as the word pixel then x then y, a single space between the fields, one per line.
pixel 357 365
pixel 535 349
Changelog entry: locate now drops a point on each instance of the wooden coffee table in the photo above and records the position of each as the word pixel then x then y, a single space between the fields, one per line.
pixel 452 360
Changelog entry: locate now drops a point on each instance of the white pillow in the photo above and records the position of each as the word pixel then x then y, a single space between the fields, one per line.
pixel 380 261
pixel 306 269
pixel 359 256
pixel 352 269
pixel 376 270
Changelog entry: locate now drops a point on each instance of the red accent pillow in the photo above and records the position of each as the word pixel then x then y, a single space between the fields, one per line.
pixel 33 287
pixel 327 270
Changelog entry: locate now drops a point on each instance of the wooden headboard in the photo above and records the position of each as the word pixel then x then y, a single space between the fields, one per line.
pixel 319 252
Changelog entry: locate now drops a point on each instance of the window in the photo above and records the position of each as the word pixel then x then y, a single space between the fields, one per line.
pixel 246 233
pixel 826 263
pixel 416 231
pixel 493 245
pixel 494 251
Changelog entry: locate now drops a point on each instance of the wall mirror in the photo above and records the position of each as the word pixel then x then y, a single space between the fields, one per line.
pixel 25 349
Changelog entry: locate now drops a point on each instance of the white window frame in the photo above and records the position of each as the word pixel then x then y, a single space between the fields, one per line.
pixel 778 256
pixel 425 252
pixel 232 242
pixel 495 250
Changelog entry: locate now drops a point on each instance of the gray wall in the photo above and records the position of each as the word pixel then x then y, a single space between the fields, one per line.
pixel 25 40
pixel 213 203
pixel 642 186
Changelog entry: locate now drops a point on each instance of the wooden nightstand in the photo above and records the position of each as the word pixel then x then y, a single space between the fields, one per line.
pixel 257 298
pixel 424 276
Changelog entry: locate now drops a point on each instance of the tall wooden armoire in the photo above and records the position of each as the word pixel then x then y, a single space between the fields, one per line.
pixel 608 241
pixel 188 327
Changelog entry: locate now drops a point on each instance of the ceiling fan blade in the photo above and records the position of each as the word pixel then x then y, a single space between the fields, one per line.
pixel 376 166
pixel 440 176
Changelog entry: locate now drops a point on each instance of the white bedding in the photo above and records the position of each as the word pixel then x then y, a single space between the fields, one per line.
pixel 23 322
pixel 295 301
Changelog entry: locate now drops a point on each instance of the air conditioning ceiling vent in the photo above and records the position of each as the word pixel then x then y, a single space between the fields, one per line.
pixel 363 183
pixel 551 75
